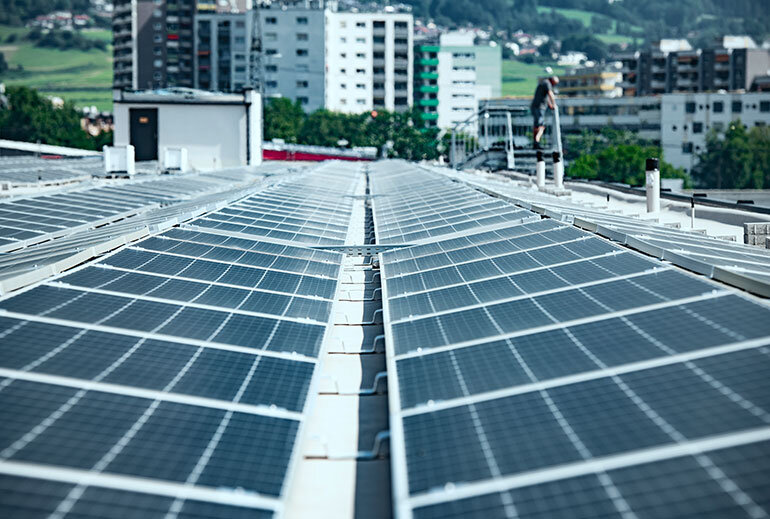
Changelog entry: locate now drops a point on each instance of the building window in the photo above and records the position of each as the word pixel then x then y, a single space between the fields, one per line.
pixel 158 63
pixel 343 24
pixel 157 76
pixel 157 51
pixel 302 84
pixel 361 101
pixel 361 25
pixel 302 36
pixel 343 86
pixel 360 71
pixel 697 127
pixel 301 20
pixel 157 26
pixel 157 13
pixel 271 68
pixel 240 40
pixel 360 86
pixel 302 67
pixel 343 55
pixel 272 84
pixel 361 55
pixel 764 106
pixel 302 100
pixel 271 52
pixel 687 147
pixel 343 71
pixel 271 20
pixel 240 24
pixel 302 52
pixel 360 40
pixel 737 107
pixel 157 38
pixel 400 25
pixel 718 107
pixel 689 107
pixel 271 36
pixel 673 128
pixel 343 40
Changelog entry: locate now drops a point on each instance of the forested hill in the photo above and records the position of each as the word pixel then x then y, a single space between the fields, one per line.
pixel 699 20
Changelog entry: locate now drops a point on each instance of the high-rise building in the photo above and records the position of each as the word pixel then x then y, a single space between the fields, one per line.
pixel 225 48
pixel 292 57
pixel 452 75
pixel 153 43
pixel 368 61
pixel 344 61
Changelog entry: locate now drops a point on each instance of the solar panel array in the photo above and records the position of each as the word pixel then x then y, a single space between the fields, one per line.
pixel 171 378
pixel 33 219
pixel 433 205
pixel 741 265
pixel 539 371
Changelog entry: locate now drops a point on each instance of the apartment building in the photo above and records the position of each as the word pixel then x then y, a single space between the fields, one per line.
pixel 153 43
pixel 369 61
pixel 695 70
pixel 600 81
pixel 225 50
pixel 452 75
pixel 677 122
pixel 686 120
pixel 292 61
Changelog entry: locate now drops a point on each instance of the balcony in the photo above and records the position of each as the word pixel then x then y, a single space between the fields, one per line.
pixel 378 92
pixel 428 75
pixel 428 62
pixel 428 102
pixel 657 84
pixel 429 89
pixel 429 116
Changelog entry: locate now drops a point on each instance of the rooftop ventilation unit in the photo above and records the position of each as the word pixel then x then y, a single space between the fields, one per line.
pixel 175 159
pixel 119 161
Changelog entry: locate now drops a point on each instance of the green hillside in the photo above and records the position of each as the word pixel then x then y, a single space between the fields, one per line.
pixel 585 17
pixel 520 79
pixel 85 77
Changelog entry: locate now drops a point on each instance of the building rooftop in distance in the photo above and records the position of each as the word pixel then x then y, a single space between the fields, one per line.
pixel 374 340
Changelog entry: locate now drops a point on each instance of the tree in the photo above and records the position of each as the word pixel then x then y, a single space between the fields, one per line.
pixel 3 63
pixel 737 159
pixel 623 163
pixel 593 47
pixel 283 119
pixel 31 117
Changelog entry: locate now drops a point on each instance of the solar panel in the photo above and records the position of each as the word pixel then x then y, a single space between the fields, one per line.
pixel 740 265
pixel 550 373
pixel 171 377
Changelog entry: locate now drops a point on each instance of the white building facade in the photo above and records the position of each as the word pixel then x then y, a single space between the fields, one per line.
pixel 686 120
pixel 454 77
pixel 369 61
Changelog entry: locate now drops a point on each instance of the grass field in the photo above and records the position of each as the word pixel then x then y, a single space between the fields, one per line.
pixel 520 79
pixel 83 77
pixel 584 17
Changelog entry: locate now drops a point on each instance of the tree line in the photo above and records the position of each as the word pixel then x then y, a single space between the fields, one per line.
pixel 29 117
pixel 394 134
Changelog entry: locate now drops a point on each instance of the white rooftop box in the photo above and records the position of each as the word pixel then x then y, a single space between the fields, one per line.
pixel 119 160
pixel 217 130
pixel 175 159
